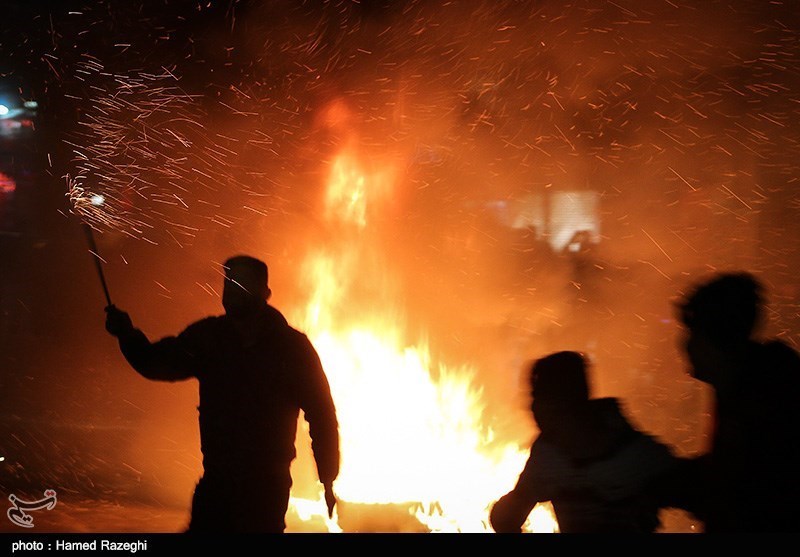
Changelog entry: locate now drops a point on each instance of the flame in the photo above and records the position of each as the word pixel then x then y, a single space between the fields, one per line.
pixel 352 193
pixel 412 430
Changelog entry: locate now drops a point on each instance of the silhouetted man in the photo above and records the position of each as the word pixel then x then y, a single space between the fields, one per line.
pixel 255 373
pixel 601 474
pixel 750 479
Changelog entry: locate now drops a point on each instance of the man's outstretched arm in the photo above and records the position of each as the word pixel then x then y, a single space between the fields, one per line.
pixel 168 359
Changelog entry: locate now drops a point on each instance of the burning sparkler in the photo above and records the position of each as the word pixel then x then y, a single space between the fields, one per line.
pixel 144 161
pixel 98 261
pixel 88 207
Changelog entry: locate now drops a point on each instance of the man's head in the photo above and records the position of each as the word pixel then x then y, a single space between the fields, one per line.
pixel 727 308
pixel 560 391
pixel 719 315
pixel 246 286
pixel 560 378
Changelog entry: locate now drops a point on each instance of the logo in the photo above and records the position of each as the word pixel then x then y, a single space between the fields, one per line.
pixel 17 514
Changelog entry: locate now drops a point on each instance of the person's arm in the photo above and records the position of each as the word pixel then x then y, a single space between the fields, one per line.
pixel 509 513
pixel 546 474
pixel 319 410
pixel 549 474
pixel 683 486
pixel 169 359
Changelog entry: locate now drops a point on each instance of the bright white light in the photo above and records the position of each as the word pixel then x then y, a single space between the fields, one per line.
pixel 98 199
pixel 3 110
pixel 31 104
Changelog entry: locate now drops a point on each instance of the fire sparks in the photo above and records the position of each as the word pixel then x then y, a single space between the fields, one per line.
pixel 141 151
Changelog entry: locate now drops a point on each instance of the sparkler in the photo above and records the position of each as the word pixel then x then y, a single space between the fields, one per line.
pixel 140 138
pixel 86 206
pixel 97 260
pixel 143 143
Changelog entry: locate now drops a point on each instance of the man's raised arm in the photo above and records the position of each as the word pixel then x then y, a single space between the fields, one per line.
pixel 169 359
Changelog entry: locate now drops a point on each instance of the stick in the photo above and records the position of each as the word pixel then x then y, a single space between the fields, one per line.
pixel 97 260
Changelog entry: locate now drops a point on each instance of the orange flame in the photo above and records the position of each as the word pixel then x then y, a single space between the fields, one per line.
pixel 412 431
